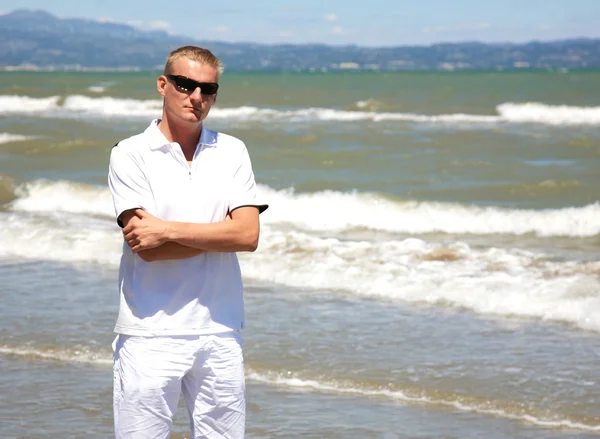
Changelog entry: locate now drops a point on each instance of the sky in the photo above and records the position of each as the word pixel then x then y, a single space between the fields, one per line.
pixel 374 23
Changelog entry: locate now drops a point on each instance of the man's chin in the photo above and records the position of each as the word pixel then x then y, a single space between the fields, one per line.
pixel 192 117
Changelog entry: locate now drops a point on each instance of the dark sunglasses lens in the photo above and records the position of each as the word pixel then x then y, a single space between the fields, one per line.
pixel 185 83
pixel 208 88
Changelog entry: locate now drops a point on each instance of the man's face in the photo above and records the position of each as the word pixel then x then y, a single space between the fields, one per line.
pixel 183 104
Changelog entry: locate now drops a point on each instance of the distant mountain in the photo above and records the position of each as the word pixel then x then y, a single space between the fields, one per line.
pixel 43 22
pixel 40 40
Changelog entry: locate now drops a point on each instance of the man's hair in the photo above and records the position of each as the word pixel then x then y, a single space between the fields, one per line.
pixel 193 53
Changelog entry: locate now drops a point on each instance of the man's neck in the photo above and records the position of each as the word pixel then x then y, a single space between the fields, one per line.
pixel 187 136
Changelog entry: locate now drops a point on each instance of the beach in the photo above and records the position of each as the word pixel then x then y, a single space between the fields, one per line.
pixel 428 266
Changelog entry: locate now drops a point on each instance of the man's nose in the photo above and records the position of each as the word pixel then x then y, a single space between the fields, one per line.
pixel 196 94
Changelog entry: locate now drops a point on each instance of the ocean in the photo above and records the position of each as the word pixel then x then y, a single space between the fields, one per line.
pixel 428 267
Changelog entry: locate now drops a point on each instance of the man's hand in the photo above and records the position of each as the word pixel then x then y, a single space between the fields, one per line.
pixel 149 232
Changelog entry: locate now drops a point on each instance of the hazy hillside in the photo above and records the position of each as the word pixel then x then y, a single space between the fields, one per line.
pixel 36 38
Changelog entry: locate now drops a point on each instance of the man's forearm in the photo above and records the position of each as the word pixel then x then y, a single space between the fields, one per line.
pixel 238 232
pixel 227 236
pixel 169 251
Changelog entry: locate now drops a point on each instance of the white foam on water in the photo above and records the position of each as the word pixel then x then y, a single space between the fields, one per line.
pixel 499 282
pixel 249 113
pixel 101 87
pixel 330 211
pixel 61 221
pixel 11 104
pixel 87 356
pixel 77 106
pixel 491 281
pixel 109 107
pixel 75 223
pixel 8 138
pixel 339 211
pixel 366 103
pixel 369 104
pixel 487 408
pixel 63 196
pixel 60 237
pixel 530 112
pixel 534 112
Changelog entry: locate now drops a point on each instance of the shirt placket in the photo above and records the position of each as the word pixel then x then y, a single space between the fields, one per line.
pixel 180 157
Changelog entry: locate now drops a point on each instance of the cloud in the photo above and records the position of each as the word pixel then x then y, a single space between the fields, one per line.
pixel 330 17
pixel 287 33
pixel 457 27
pixel 106 20
pixel 221 29
pixel 159 25
pixel 150 25
pixel 336 30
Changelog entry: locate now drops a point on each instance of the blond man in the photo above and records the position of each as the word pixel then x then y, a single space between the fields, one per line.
pixel 185 197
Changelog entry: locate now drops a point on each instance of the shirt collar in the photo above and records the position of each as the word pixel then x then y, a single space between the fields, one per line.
pixel 156 139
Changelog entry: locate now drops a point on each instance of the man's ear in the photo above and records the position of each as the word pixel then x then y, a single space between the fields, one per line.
pixel 161 83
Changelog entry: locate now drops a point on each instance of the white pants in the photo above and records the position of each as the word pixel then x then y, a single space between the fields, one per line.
pixel 151 372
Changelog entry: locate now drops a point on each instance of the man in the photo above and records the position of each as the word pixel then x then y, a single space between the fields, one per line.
pixel 186 199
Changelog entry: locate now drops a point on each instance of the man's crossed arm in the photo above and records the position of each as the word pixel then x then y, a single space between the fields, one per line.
pixel 154 239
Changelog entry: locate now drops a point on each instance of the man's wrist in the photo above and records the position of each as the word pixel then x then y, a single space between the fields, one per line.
pixel 170 232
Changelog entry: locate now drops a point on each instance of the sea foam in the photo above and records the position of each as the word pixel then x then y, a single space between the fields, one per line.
pixel 313 212
pixel 323 385
pixel 461 402
pixel 304 246
pixel 8 138
pixel 78 106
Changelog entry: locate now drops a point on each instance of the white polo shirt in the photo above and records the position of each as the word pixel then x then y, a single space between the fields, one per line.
pixel 197 295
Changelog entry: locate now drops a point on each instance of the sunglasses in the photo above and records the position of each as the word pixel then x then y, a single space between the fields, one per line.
pixel 188 85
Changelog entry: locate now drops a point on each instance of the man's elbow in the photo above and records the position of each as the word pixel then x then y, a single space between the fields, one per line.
pixel 250 242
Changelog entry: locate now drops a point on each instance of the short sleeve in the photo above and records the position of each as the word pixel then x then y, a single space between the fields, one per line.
pixel 243 190
pixel 128 184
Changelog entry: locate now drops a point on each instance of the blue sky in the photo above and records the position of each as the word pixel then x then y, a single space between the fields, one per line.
pixel 336 22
